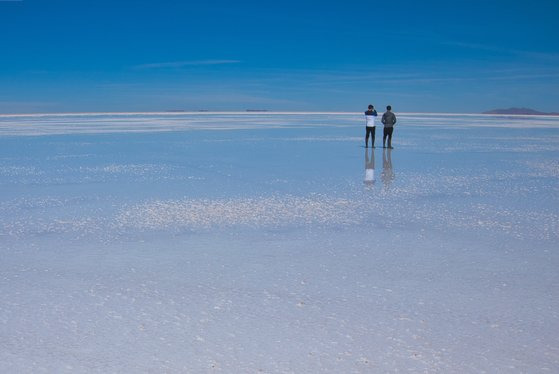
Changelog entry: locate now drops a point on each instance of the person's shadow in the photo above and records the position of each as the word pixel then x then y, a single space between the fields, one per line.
pixel 369 180
pixel 387 174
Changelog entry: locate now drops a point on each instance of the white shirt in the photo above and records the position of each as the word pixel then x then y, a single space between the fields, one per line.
pixel 370 118
pixel 370 121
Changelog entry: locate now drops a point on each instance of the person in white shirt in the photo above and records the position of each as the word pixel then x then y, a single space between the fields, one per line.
pixel 370 115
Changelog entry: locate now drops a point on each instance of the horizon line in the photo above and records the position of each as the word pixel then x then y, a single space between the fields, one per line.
pixel 254 112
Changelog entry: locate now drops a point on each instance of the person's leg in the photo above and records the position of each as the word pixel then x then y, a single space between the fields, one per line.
pixel 390 131
pixel 384 135
pixel 373 136
pixel 366 137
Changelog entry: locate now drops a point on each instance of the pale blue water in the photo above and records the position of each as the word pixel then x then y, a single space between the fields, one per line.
pixel 245 242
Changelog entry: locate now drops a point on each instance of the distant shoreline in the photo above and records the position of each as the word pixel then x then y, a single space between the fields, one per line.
pixel 254 113
pixel 520 112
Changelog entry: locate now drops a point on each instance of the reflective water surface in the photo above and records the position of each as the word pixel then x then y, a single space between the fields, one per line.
pixel 246 242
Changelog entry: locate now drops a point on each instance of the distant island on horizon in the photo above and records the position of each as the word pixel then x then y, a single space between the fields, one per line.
pixel 521 111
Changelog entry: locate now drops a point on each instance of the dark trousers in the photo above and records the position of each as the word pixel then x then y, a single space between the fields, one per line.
pixel 370 130
pixel 387 134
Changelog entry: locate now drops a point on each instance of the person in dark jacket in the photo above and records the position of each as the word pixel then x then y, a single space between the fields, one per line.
pixel 389 120
pixel 370 115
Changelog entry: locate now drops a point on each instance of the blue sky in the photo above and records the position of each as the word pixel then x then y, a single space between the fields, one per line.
pixel 441 56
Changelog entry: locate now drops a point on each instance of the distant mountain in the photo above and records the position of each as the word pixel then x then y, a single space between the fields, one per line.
pixel 521 111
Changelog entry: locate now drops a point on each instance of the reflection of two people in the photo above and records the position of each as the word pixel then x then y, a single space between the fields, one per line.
pixel 387 174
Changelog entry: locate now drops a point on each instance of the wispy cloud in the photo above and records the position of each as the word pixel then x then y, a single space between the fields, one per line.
pixel 179 64
pixel 402 75
pixel 497 49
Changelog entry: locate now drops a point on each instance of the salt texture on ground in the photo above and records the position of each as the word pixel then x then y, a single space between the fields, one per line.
pixel 229 242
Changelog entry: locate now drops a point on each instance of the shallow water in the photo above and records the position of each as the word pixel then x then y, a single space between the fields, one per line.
pixel 245 242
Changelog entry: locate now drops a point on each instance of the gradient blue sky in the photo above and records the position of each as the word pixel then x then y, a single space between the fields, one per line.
pixel 441 56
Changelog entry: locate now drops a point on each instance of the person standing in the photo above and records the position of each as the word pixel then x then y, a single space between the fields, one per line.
pixel 370 115
pixel 389 120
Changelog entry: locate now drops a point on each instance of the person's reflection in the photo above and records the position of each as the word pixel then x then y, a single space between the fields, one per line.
pixel 387 172
pixel 369 168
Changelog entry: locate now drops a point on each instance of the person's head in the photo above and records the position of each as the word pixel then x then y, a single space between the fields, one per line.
pixel 371 107
pixel 388 107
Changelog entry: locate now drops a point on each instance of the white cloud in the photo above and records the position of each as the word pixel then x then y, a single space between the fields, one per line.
pixel 179 64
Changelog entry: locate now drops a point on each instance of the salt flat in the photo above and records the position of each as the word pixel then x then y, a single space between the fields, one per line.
pixel 249 242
